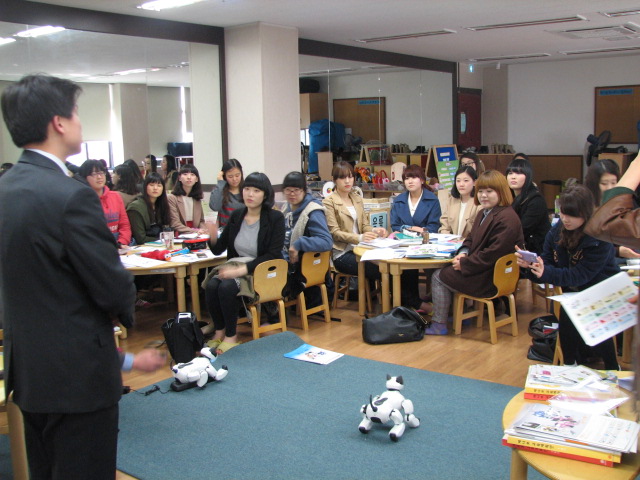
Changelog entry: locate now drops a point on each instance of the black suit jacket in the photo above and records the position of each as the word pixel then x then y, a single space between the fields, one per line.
pixel 61 281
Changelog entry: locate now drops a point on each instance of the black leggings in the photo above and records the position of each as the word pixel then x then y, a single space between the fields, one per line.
pixel 223 304
pixel 573 344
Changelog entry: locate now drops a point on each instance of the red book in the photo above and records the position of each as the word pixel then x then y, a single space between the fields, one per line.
pixel 597 461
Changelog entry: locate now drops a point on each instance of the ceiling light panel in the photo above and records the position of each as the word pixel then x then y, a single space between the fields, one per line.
pixel 598 32
pixel 39 32
pixel 601 50
pixel 158 5
pixel 509 57
pixel 621 13
pixel 444 31
pixel 530 23
pixel 6 41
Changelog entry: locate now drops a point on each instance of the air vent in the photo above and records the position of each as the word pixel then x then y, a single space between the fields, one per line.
pixel 601 50
pixel 621 13
pixel 509 57
pixel 316 73
pixel 403 36
pixel 599 32
pixel 550 21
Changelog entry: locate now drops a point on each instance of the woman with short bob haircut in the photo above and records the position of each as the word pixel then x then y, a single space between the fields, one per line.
pixel 255 234
pixel 185 202
pixel 495 233
pixel 529 204
pixel 348 223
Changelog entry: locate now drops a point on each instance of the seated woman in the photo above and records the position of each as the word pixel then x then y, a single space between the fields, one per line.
pixel 227 196
pixel 254 234
pixel 495 233
pixel 135 169
pixel 150 211
pixel 185 203
pixel 306 228
pixel 112 205
pixel 168 171
pixel 150 165
pixel 603 175
pixel 419 210
pixel 347 223
pixel 418 207
pixel 573 260
pixel 459 209
pixel 528 204
pixel 471 159
pixel 124 182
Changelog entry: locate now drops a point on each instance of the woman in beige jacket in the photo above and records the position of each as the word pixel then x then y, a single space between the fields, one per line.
pixel 347 222
pixel 458 207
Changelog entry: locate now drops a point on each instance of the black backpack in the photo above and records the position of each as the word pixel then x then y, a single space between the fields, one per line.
pixel 183 336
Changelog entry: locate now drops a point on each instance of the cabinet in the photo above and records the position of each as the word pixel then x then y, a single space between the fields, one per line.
pixel 313 106
pixel 622 159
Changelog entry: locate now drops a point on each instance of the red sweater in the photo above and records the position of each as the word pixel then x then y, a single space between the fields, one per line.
pixel 116 216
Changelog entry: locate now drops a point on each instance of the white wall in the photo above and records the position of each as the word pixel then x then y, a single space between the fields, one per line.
pixel 164 118
pixel 418 103
pixel 551 104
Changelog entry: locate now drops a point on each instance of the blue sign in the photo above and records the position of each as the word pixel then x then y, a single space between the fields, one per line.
pixel 368 102
pixel 616 91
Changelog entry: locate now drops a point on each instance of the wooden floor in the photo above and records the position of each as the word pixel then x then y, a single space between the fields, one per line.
pixel 469 355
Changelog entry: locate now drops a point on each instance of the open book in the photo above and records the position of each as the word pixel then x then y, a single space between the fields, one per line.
pixel 309 353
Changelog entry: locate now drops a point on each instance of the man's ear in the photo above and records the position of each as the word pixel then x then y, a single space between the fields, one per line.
pixel 57 124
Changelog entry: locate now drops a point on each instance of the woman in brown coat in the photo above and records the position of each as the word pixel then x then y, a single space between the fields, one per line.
pixel 495 233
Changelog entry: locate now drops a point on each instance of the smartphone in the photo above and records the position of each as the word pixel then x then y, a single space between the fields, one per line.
pixel 528 256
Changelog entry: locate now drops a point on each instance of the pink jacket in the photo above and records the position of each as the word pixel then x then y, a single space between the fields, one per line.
pixel 116 216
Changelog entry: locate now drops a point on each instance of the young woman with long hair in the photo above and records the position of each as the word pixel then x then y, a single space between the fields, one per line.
pixel 227 196
pixel 149 213
pixel 185 202
pixel 459 209
pixel 573 260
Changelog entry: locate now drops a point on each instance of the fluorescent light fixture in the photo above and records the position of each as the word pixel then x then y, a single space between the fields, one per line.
pixel 600 50
pixel 509 57
pixel 403 36
pixel 5 41
pixel 38 32
pixel 621 13
pixel 158 5
pixel 471 68
pixel 130 72
pixel 530 23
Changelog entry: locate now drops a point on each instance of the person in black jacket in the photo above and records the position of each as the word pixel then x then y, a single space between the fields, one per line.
pixel 255 234
pixel 528 204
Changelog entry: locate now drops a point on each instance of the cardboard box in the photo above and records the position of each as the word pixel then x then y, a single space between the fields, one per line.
pixel 325 165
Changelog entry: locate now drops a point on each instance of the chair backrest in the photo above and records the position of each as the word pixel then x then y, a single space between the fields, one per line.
pixel 315 266
pixel 269 278
pixel 506 274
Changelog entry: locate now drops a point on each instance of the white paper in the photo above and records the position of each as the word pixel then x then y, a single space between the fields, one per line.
pixel 142 262
pixel 383 254
pixel 382 243
pixel 443 237
pixel 602 311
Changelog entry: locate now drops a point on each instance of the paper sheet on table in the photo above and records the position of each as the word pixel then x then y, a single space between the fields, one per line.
pixel 383 254
pixel 443 237
pixel 138 261
pixel 196 256
pixel 602 311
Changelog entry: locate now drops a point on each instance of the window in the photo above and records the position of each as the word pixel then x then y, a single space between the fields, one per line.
pixel 94 150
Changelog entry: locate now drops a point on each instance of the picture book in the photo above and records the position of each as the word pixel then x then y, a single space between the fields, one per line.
pixel 309 353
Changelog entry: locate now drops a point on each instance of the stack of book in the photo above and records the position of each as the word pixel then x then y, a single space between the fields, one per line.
pixel 546 381
pixel 597 439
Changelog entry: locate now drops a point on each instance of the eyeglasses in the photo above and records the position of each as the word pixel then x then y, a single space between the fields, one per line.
pixel 292 191
pixel 468 164
pixel 98 174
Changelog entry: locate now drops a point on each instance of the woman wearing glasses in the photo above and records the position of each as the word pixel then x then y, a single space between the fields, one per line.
pixel 470 159
pixel 115 214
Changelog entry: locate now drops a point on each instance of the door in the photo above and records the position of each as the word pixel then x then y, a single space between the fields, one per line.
pixel 469 118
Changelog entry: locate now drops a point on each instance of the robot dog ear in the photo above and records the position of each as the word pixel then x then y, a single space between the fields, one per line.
pixel 388 377
pixel 399 380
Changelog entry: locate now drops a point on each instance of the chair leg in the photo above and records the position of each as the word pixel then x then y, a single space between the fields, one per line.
pixel 283 316
pixel 514 317
pixel 325 303
pixel 558 358
pixel 458 307
pixel 491 313
pixel 302 307
pixel 255 321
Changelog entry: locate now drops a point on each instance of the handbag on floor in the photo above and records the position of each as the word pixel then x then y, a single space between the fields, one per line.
pixel 398 325
pixel 543 339
pixel 183 336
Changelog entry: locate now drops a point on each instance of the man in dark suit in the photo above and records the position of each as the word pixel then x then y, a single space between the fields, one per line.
pixel 62 284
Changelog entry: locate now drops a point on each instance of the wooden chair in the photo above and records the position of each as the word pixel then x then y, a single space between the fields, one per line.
pixel 338 277
pixel 541 290
pixel 11 424
pixel 269 279
pixel 314 268
pixel 558 358
pixel 506 274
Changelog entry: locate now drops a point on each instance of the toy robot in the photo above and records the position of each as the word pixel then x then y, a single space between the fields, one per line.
pixel 390 406
pixel 198 372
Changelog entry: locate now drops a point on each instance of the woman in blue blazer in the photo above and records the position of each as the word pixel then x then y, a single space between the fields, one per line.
pixel 417 207
pixel 419 210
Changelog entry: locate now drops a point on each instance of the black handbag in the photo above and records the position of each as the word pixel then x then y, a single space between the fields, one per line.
pixel 183 336
pixel 398 325
pixel 543 344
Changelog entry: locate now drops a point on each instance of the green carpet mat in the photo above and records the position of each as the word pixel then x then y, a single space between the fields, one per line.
pixel 277 418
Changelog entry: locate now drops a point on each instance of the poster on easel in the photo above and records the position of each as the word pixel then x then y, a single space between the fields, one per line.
pixel 446 162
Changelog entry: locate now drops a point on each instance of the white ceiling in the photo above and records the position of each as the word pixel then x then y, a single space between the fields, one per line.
pixel 344 21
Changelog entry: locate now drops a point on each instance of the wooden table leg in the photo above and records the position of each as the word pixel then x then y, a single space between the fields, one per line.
pixel 396 274
pixel 518 466
pixel 180 275
pixel 362 279
pixel 384 286
pixel 195 290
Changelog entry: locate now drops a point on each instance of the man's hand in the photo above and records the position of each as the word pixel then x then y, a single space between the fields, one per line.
pixel 149 360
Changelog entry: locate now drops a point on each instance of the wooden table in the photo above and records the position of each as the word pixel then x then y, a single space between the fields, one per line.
pixel 395 267
pixel 192 270
pixel 563 468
